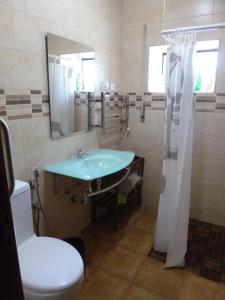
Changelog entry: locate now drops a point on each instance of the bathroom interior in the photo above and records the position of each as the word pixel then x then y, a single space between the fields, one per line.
pixel 112 149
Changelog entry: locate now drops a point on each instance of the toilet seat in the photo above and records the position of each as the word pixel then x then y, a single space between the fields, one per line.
pixel 49 265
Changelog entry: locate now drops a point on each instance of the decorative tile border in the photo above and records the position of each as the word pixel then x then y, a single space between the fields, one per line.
pixel 35 103
pixel 32 104
pixel 19 117
pixel 17 99
pixel 157 101
pixel 35 92
pixel 202 102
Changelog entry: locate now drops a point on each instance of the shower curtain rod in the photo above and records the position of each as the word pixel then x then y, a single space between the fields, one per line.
pixel 194 28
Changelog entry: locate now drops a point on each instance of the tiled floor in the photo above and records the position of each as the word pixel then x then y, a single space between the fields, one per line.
pixel 118 268
pixel 206 250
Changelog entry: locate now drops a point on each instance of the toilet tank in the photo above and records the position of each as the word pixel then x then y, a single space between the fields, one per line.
pixel 22 211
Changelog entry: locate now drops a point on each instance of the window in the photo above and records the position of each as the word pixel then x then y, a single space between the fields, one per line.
pixel 206 65
pixel 83 70
pixel 157 68
pixel 87 73
pixel 205 73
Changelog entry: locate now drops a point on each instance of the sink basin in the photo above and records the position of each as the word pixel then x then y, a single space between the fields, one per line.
pixel 99 162
pixel 96 164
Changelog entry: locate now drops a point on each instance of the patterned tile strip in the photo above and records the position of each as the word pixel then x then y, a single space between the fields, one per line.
pixel 220 106
pixel 16 106
pixel 27 116
pixel 36 92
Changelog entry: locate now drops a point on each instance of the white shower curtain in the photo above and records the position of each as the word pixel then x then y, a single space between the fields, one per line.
pixel 62 94
pixel 173 212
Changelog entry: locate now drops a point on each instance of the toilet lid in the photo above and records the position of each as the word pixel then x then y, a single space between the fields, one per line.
pixel 49 265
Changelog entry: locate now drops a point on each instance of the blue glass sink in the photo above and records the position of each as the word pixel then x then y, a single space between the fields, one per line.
pixel 96 164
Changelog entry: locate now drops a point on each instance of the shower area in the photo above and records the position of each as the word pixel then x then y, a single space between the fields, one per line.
pixel 178 126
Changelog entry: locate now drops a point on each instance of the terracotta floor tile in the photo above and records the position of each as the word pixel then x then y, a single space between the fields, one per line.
pixel 88 271
pixel 137 240
pixel 95 249
pixel 145 221
pixel 103 286
pixel 135 292
pixel 195 287
pixel 128 214
pixel 122 262
pixel 107 233
pixel 220 292
pixel 152 276
pixel 117 266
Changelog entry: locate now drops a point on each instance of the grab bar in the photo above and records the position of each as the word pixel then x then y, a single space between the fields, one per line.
pixel 4 132
pixel 91 194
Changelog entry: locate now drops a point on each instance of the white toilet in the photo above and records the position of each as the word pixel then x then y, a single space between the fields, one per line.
pixel 50 268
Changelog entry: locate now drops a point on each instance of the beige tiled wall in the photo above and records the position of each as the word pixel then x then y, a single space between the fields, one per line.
pixel 177 13
pixel 208 200
pixel 24 24
pixel 118 43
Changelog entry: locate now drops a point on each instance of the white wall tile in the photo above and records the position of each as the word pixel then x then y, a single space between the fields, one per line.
pixel 142 11
pixel 27 36
pixel 219 6
pixel 8 63
pixel 180 9
pixel 6 29
pixel 16 137
pixel 5 2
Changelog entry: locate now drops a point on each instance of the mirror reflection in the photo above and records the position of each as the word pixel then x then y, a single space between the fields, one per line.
pixel 71 75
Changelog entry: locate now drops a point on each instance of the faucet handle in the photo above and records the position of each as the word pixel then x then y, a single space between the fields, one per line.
pixel 79 153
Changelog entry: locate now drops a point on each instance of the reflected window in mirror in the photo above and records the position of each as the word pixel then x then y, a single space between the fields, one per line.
pixel 88 71
pixel 83 70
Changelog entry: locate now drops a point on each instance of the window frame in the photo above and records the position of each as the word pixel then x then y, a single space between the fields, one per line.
pixel 82 66
pixel 164 56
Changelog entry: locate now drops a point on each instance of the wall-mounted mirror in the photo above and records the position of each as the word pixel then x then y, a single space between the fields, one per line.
pixel 71 72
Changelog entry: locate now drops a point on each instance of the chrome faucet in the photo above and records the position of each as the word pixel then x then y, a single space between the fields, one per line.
pixel 81 153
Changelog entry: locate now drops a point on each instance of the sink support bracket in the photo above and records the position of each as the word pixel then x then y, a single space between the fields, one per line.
pixel 91 194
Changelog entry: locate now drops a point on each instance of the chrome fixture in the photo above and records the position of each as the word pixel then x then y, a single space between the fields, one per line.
pixel 194 28
pixel 81 153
